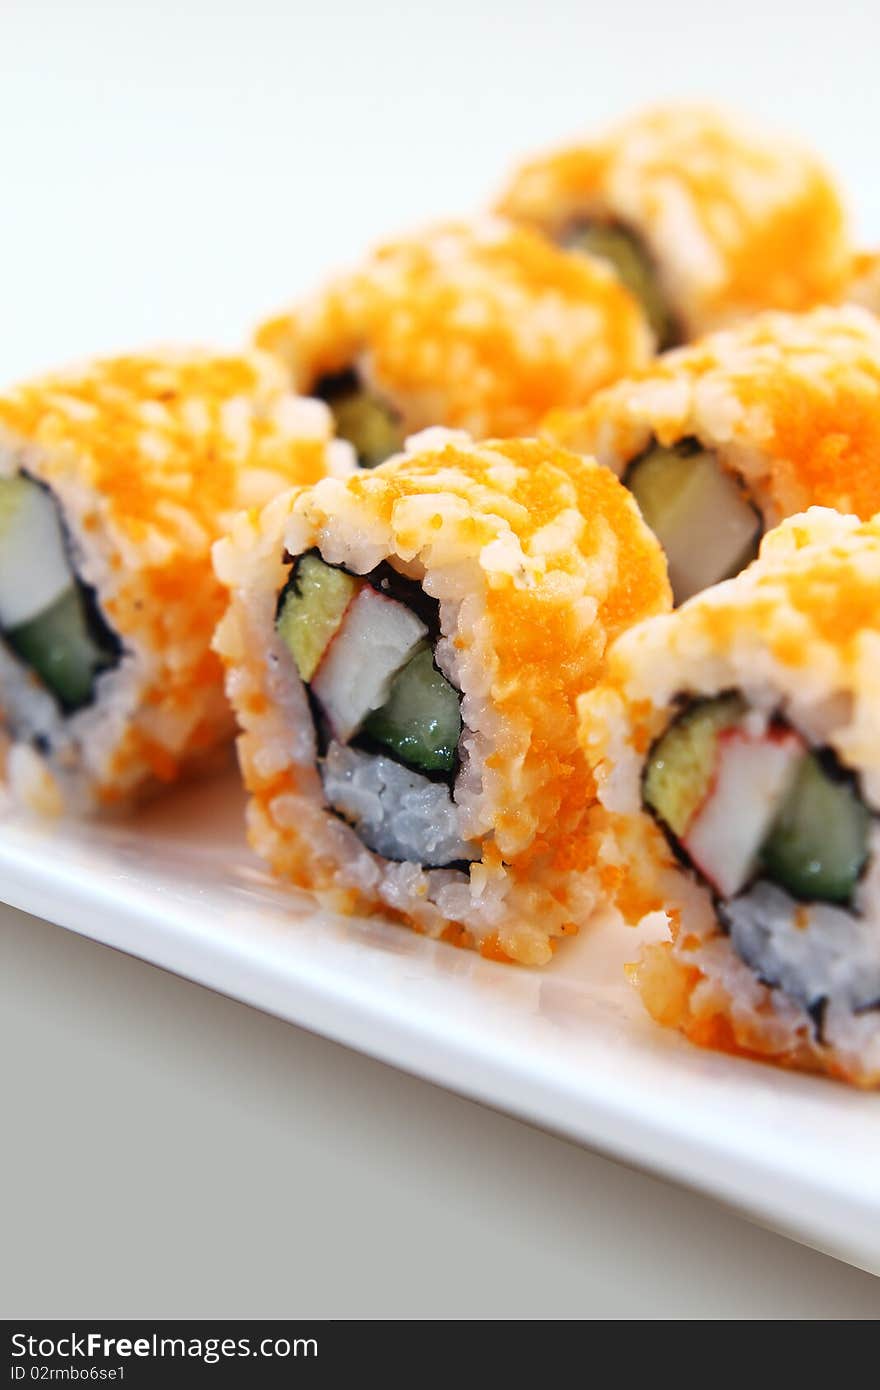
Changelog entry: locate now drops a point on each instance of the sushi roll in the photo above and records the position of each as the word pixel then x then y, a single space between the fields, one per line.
pixel 706 220
pixel 115 479
pixel 719 441
pixel 477 327
pixel 404 649
pixel 736 748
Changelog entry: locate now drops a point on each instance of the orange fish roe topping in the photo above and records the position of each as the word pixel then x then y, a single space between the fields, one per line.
pixel 149 458
pixel 735 222
pixel 491 949
pixel 481 327
pixel 456 935
pixel 790 403
pixel 813 595
pixel 676 995
pixel 167 441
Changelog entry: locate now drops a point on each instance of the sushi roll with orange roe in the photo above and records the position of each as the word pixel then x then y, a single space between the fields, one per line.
pixel 404 652
pixel 115 479
pixel 736 748
pixel 719 441
pixel 705 219
pixel 479 327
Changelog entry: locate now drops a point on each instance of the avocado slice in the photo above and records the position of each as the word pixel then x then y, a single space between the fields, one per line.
pixel 681 764
pixel 310 609
pixel 818 845
pixel 699 513
pixel 421 719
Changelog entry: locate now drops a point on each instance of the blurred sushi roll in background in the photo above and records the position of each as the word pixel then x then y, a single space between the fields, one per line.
pixel 115 479
pixel 721 440
pixel 404 652
pixel 736 748
pixel 479 327
pixel 864 286
pixel 705 219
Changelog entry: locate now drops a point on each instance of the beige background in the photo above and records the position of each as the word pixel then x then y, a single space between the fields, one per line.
pixel 169 1153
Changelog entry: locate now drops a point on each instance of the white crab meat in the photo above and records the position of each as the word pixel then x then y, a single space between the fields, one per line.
pixel 709 532
pixel 376 638
pixel 752 778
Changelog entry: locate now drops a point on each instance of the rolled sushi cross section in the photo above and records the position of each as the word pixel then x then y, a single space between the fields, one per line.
pixel 404 654
pixel 48 617
pixel 781 834
pixel 388 720
pixel 736 750
pixel 699 511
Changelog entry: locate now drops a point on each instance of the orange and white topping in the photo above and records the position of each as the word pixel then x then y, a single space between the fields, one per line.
pixel 480 327
pixel 789 403
pixel 148 458
pixel 734 221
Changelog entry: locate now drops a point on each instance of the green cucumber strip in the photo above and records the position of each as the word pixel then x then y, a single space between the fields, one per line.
pixel 681 763
pixel 311 610
pixel 421 719
pixel 59 647
pixel 14 494
pixel 818 844
pixel 35 568
pixel 632 265
pixel 707 527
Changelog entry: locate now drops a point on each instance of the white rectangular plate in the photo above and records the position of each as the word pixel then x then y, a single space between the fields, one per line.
pixel 567 1047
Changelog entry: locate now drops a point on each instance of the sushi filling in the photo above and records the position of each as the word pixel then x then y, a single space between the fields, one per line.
pixel 388 720
pixel 370 424
pixel 48 617
pixel 781 834
pixel 624 251
pixel 699 512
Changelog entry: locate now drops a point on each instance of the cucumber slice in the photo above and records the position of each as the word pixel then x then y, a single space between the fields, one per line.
pixel 34 566
pixel 61 649
pixel 632 265
pixel 819 842
pixel 310 610
pixel 370 425
pixel 698 512
pixel 421 720
pixel 682 762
